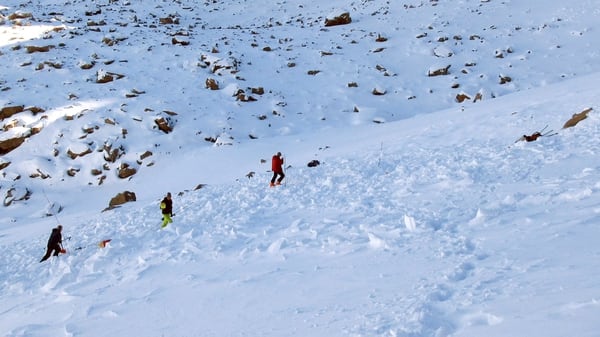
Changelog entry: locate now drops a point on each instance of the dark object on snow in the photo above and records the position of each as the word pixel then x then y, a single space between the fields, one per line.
pixel 342 19
pixel 54 243
pixel 313 163
pixel 534 136
pixel 121 198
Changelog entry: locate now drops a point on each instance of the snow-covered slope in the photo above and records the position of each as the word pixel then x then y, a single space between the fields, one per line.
pixel 432 221
pixel 302 74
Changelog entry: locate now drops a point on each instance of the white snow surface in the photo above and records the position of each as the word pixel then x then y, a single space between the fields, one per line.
pixel 425 217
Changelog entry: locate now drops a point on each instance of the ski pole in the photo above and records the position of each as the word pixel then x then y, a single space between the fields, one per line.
pixel 50 204
pixel 64 243
pixel 284 161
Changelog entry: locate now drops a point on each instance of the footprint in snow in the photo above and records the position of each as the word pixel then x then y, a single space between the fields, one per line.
pixel 461 272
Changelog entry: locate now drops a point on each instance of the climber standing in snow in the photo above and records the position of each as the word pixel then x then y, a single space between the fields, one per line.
pixel 277 167
pixel 166 206
pixel 54 243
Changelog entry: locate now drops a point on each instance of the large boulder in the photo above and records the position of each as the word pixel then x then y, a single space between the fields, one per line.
pixel 8 111
pixel 10 144
pixel 125 171
pixel 576 118
pixel 121 198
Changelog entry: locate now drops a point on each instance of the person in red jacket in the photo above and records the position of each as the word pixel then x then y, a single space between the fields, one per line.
pixel 277 167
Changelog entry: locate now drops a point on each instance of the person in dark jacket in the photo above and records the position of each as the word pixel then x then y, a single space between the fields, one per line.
pixel 54 243
pixel 277 168
pixel 166 206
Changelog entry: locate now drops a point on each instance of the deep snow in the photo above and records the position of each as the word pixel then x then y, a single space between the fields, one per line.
pixel 425 218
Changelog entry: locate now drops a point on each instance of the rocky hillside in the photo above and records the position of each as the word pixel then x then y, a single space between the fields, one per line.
pixel 95 92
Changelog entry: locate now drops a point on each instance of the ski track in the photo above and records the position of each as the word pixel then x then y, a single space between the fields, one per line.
pixel 348 230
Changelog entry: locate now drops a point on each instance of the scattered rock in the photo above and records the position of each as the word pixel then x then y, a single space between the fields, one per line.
pixel 380 38
pixel 72 172
pixel 16 194
pixel 217 65
pixel 258 91
pixel 439 71
pixel 163 125
pixel 89 130
pixel 92 23
pixel 342 19
pixel 134 93
pixel 170 20
pixel 462 97
pixel 54 65
pixel 112 155
pixel 10 125
pixel 106 77
pixel 243 98
pixel 211 84
pixel 125 171
pixel 36 49
pixel 313 163
pixel 4 165
pixel 20 16
pixel 145 155
pixel 74 155
pixel 378 92
pixel 39 174
pixel 505 79
pixel 174 41
pixel 224 139
pixel 92 13
pixel 35 110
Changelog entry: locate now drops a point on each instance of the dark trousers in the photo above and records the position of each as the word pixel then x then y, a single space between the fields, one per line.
pixel 56 250
pixel 275 174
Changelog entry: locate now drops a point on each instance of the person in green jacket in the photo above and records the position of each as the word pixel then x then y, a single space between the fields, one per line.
pixel 166 206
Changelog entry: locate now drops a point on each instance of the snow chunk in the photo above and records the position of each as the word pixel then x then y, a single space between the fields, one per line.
pixel 376 242
pixel 410 223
